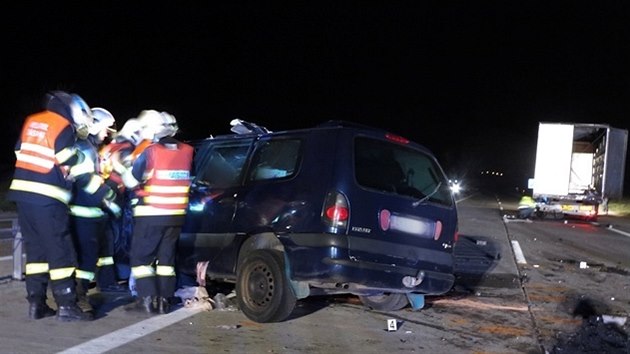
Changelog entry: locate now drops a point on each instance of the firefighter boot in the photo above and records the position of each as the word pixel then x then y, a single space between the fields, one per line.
pixel 72 312
pixel 142 304
pixel 37 307
pixel 164 306
pixel 114 288
pixel 106 281
pixel 37 310
pixel 68 310
pixel 82 298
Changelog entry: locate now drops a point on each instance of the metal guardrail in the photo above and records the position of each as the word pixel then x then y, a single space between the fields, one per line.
pixel 18 252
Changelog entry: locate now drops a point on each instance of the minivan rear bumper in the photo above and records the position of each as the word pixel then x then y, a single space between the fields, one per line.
pixel 324 259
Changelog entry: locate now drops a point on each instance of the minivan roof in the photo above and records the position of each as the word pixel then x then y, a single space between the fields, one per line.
pixel 330 124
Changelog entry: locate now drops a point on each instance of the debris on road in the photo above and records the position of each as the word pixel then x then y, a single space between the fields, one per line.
pixel 595 336
pixel 618 320
pixel 195 297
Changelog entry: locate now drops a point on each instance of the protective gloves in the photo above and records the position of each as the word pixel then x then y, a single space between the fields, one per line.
pixel 111 206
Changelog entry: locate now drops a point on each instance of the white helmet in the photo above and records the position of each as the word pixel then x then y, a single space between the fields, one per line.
pixel 131 131
pixel 157 124
pixel 73 107
pixel 170 124
pixel 103 119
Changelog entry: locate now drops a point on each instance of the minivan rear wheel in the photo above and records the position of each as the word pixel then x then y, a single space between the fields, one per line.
pixel 263 291
pixel 385 301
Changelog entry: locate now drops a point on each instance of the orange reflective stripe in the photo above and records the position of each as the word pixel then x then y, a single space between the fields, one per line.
pixel 37 147
pixel 166 190
pixel 140 149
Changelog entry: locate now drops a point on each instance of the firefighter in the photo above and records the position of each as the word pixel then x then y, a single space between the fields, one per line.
pixel 106 277
pixel 88 220
pixel 526 207
pixel 47 166
pixel 114 159
pixel 161 178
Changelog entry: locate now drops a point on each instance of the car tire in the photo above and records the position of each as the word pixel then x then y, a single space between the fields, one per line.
pixel 385 301
pixel 262 289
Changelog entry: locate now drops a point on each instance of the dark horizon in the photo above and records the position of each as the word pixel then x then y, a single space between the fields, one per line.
pixel 469 81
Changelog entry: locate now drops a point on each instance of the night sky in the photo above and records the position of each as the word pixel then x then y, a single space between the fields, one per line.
pixel 469 80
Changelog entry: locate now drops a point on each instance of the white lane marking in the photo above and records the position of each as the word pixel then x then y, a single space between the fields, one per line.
pixel 125 335
pixel 618 231
pixel 518 253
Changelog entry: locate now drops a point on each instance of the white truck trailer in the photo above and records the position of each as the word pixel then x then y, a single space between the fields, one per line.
pixel 579 167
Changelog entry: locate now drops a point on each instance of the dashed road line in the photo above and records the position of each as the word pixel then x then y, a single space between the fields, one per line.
pixel 611 228
pixel 518 253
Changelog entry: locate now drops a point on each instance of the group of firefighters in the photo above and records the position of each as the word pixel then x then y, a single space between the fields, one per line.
pixel 75 177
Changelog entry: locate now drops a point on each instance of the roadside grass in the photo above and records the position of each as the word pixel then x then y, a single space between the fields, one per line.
pixel 619 207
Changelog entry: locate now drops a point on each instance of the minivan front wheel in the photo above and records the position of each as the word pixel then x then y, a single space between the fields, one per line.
pixel 385 301
pixel 263 291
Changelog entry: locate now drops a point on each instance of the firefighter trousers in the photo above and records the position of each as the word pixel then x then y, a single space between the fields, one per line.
pixel 95 250
pixel 152 256
pixel 50 253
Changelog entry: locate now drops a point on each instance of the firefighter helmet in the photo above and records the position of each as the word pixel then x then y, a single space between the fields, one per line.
pixel 170 124
pixel 158 124
pixel 73 108
pixel 103 119
pixel 131 131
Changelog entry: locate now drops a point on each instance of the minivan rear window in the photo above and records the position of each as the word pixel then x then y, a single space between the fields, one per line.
pixel 397 169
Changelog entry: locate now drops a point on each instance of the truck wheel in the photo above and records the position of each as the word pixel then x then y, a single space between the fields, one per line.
pixel 385 301
pixel 263 292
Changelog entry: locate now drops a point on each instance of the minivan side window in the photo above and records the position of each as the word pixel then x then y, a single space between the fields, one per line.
pixel 392 168
pixel 275 159
pixel 220 164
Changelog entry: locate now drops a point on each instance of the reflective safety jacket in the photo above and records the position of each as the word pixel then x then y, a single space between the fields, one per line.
pixel 118 152
pixel 47 161
pixel 106 156
pixel 526 202
pixel 163 173
pixel 87 201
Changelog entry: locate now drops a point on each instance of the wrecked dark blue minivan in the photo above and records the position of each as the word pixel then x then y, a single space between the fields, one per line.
pixel 338 208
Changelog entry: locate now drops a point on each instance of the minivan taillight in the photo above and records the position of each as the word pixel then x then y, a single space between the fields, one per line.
pixel 336 212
